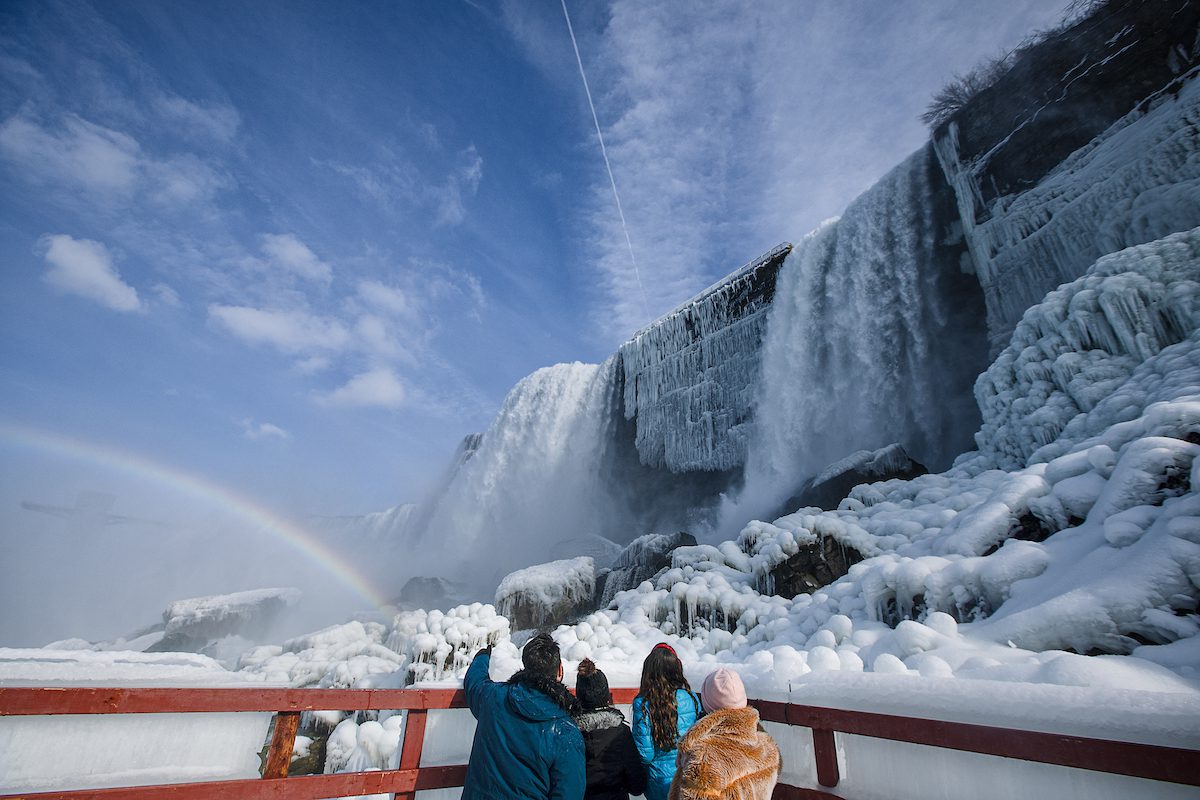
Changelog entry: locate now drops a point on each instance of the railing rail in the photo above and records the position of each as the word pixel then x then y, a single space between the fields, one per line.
pixel 1170 764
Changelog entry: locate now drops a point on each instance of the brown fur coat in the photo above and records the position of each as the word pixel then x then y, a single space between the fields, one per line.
pixel 725 755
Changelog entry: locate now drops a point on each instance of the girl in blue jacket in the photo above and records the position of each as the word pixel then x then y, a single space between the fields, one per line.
pixel 663 711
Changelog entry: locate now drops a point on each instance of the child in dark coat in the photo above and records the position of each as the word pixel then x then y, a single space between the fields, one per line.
pixel 614 769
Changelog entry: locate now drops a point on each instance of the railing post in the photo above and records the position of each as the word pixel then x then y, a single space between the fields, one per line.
pixel 283 742
pixel 414 743
pixel 825 754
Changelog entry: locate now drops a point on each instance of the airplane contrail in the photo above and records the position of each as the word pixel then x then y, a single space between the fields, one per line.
pixel 604 151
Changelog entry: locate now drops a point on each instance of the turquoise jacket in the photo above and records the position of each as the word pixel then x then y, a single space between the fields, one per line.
pixel 526 746
pixel 660 764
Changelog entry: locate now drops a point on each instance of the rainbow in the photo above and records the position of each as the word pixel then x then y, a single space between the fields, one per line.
pixel 202 488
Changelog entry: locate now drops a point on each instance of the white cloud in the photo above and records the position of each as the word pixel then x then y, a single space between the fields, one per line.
pixel 263 430
pixel 289 331
pixel 312 365
pixel 388 299
pixel 376 388
pixel 84 267
pixel 166 295
pixel 81 153
pixel 451 209
pixel 288 253
pixel 217 122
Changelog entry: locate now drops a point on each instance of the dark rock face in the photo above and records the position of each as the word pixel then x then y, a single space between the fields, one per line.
pixel 644 558
pixel 816 565
pixel 829 488
pixel 1064 91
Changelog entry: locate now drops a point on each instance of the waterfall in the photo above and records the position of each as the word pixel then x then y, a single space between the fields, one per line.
pixel 875 336
pixel 531 483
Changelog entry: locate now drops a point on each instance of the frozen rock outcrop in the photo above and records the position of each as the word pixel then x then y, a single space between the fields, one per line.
pixel 1085 147
pixel 644 558
pixel 547 594
pixel 195 624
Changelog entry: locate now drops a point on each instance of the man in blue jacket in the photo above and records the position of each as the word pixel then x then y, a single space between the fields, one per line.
pixel 526 744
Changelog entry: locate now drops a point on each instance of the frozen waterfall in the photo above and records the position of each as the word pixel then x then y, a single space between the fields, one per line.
pixel 875 336
pixel 532 482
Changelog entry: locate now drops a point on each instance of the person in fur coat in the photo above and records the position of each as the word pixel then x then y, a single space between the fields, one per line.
pixel 726 754
pixel 614 768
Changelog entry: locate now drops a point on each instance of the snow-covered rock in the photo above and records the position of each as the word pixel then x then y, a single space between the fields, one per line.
pixel 862 466
pixel 547 594
pixel 196 624
pixel 640 561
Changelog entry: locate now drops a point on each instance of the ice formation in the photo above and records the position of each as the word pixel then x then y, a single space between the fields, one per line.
pixel 1137 182
pixel 1082 341
pixel 689 377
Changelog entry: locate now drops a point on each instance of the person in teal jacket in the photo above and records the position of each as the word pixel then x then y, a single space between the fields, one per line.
pixel 526 745
pixel 664 710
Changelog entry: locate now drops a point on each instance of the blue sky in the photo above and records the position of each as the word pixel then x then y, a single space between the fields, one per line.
pixel 302 248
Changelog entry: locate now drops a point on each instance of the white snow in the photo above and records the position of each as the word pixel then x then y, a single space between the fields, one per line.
pixel 92 751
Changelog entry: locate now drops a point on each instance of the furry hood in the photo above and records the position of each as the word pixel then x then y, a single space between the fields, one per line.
pixel 539 697
pixel 726 756
pixel 599 719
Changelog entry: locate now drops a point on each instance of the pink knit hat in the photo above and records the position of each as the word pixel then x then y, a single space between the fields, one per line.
pixel 723 689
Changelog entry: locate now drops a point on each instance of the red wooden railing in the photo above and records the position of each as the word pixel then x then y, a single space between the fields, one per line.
pixel 1171 764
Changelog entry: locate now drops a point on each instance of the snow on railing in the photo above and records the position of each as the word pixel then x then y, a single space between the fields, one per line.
pixel 1154 762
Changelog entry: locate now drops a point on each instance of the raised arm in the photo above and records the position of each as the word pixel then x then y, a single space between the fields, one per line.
pixel 477 680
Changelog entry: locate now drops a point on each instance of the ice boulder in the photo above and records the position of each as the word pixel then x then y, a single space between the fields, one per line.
pixel 547 595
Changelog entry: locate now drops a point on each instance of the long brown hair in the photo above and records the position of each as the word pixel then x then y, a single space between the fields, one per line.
pixel 662 675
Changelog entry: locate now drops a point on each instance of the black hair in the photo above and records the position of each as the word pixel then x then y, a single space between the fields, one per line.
pixel 541 656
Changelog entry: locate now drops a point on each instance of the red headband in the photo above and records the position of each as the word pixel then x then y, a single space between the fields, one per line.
pixel 666 646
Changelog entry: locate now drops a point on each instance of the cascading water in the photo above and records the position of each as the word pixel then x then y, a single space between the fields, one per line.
pixel 874 336
pixel 532 482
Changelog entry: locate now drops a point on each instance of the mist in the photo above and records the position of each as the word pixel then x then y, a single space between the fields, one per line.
pixel 75 575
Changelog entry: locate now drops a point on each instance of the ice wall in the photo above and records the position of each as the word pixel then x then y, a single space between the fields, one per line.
pixel 874 337
pixel 690 376
pixel 1137 181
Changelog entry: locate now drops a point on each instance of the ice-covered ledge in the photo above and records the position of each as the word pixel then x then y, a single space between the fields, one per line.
pixel 689 376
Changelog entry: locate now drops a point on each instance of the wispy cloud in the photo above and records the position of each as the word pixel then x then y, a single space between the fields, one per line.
pixel 77 154
pixel 85 268
pixel 290 331
pixel 376 388
pixel 263 430
pixel 288 253
pixel 213 121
